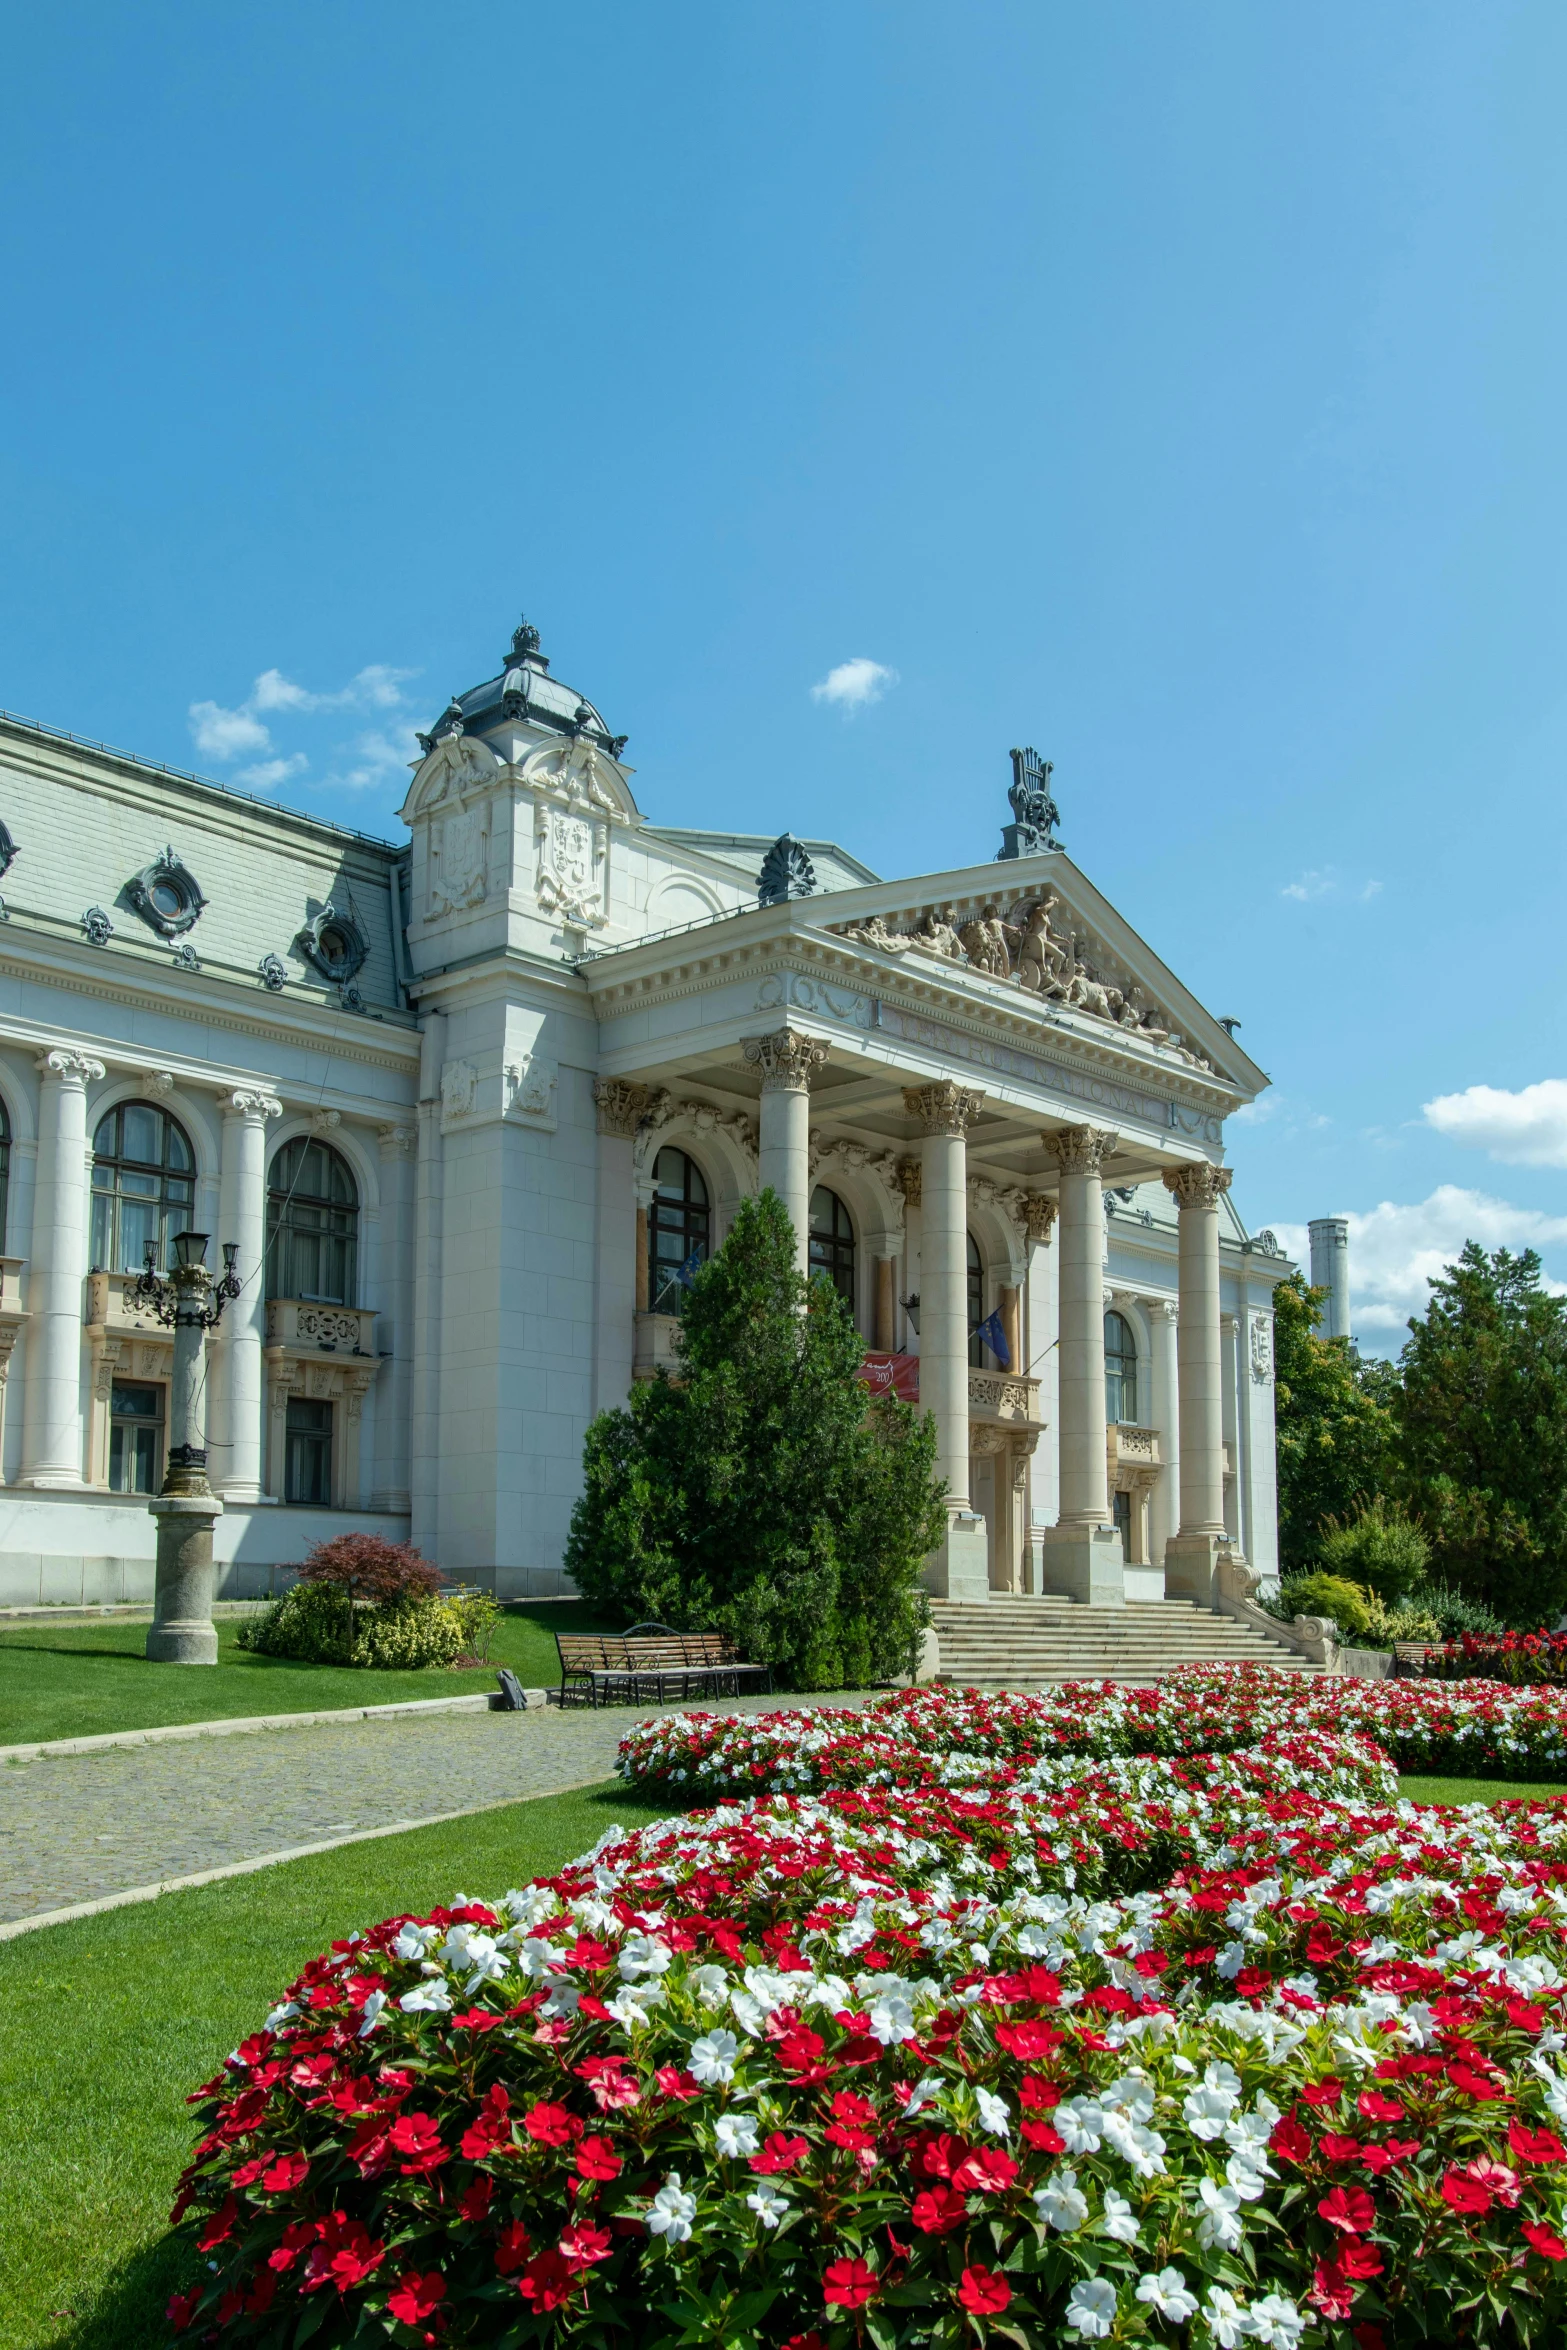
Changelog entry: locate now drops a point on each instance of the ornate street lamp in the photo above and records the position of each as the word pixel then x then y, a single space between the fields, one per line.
pixel 181 1632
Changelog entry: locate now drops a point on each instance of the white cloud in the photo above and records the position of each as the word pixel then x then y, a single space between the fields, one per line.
pixel 376 687
pixel 375 758
pixel 855 684
pixel 1523 1129
pixel 1326 881
pixel 1396 1248
pixel 271 772
pixel 225 734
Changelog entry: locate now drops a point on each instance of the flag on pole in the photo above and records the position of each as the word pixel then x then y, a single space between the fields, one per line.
pixel 688 1271
pixel 995 1338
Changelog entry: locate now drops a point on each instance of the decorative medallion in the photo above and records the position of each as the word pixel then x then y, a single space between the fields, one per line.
pixel 274 973
pixel 333 944
pixel 166 895
pixel 97 926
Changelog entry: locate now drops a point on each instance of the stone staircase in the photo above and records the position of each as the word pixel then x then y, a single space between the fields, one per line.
pixel 1018 1643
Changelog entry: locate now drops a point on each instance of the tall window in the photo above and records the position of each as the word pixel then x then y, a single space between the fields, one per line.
pixel 1120 1370
pixel 143 1187
pixel 679 1227
pixel 832 1242
pixel 307 1466
pixel 312 1225
pixel 135 1437
pixel 5 1168
pixel 976 1304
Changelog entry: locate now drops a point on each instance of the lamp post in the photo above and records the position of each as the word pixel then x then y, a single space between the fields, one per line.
pixel 181 1632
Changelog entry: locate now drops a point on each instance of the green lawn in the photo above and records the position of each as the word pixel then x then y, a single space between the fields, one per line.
pixel 74 1680
pixel 110 2021
pixel 1424 1790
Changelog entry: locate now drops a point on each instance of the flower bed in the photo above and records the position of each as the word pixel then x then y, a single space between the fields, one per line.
pixel 907 2065
pixel 1474 1728
pixel 1526 1660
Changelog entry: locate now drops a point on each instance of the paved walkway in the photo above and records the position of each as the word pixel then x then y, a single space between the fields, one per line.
pixel 75 1828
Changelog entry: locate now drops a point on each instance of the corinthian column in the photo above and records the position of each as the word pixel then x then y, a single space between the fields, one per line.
pixel 52 1429
pixel 620 1234
pixel 961 1569
pixel 1082 1552
pixel 1189 1558
pixel 393 1433
pixel 787 1062
pixel 242 1217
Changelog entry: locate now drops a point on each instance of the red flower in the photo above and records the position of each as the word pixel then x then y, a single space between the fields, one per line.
pixel 1334 2146
pixel 552 2125
pixel 219 2227
pixel 344 2254
pixel 547 2281
pixel 475 2204
pixel 597 2159
pixel 584 2244
pixel 1331 2289
pixel 1359 2260
pixel 1472 2084
pixel 181 2312
pixel 849 2106
pixel 1029 2041
pixel 939 2209
pixel 1465 2193
pixel 1322 2093
pixel 1322 1946
pixel 1383 2157
pixel 1037 2095
pixel 286 2172
pixel 1349 2209
pixel 986 2171
pixel 1544 2240
pixel 848 2284
pixel 1042 2137
pixel 779 2154
pixel 1369 2337
pixel 1535 2145
pixel 418 2136
pixel 511 2248
pixel 416 2296
pixel 1290 2140
pixel 490 2127
pixel 983 2292
pixel 1378 2107
pixel 674 2083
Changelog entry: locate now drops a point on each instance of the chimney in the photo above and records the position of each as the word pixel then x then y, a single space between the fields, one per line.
pixel 1330 1271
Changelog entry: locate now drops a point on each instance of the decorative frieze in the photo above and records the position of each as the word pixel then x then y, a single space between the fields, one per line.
pixel 787 1060
pixel 944 1107
pixel 1079 1150
pixel 1200 1185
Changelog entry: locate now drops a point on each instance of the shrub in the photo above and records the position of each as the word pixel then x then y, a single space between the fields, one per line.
pixel 1326 1595
pixel 1380 1548
pixel 1454 1611
pixel 370 1569
pixel 319 1624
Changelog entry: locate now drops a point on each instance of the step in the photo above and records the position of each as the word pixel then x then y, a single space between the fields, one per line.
pixel 1017 1641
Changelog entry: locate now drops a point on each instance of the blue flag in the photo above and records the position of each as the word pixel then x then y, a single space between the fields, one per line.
pixel 995 1338
pixel 688 1271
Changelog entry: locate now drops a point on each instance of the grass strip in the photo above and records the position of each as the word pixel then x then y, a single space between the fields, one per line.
pixel 77 1680
pixel 111 2021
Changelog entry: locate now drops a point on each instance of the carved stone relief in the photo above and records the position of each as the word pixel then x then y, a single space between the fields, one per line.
pixel 459 860
pixel 1262 1348
pixel 459 1091
pixel 530 1090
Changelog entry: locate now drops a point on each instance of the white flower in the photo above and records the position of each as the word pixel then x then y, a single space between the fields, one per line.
pixel 1220 2223
pixel 710 1983
pixel 427 1999
pixel 1247 2180
pixel 538 1956
pixel 1119 2219
pixel 630 2005
pixel 749 2013
pixel 641 1955
pixel 280 2015
pixel 370 2014
pixel 1081 2123
pixel 713 2058
pixel 562 1998
pixel 1167 2293
pixel 1090 2308
pixel 1227 2321
pixel 1061 2203
pixel 993 2114
pixel 671 2211
pixel 1207 2111
pixel 769 2202
pixel 1274 2322
pixel 892 2020
pixel 927 2091
pixel 414 1941
pixel 736 2134
pixel 1131 2095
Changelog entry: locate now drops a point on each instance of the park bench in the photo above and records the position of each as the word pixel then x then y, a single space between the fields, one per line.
pixel 652 1664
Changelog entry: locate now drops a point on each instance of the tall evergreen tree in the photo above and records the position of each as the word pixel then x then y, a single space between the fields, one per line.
pixel 759 1493
pixel 1334 1421
pixel 1482 1420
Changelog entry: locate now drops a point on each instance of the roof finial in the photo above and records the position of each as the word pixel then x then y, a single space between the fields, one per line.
pixel 1035 814
pixel 525 646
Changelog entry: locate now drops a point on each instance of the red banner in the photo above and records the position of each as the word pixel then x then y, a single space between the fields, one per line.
pixel 892 1375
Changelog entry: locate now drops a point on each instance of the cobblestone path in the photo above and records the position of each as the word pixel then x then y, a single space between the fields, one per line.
pixel 74 1828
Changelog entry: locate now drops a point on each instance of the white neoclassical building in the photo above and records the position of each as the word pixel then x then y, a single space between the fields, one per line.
pixel 465 1109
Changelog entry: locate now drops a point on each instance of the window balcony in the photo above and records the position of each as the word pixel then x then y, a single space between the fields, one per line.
pixel 655 1346
pixel 1130 1447
pixel 1002 1399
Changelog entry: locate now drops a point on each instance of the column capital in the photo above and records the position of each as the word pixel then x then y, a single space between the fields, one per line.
pixel 397 1142
pixel 1079 1150
pixel 1039 1216
pixel 1165 1309
pixel 69 1066
pixel 1197 1186
pixel 787 1060
pixel 254 1107
pixel 621 1106
pixel 943 1108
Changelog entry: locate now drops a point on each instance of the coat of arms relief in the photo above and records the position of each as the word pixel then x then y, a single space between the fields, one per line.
pixel 574 806
pixel 459 860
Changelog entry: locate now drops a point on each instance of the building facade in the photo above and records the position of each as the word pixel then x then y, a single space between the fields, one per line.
pixel 468 1111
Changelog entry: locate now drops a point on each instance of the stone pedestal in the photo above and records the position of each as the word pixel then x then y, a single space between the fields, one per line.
pixel 181 1631
pixel 1191 1565
pixel 959 1566
pixel 1084 1563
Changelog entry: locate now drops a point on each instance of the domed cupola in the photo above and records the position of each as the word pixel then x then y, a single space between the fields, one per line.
pixel 524 694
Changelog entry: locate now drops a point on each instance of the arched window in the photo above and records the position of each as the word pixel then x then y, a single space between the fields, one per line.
pixel 312 1225
pixel 832 1242
pixel 976 1303
pixel 679 1229
pixel 143 1187
pixel 1120 1370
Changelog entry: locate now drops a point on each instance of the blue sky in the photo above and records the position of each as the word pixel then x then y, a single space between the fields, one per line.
pixel 1177 389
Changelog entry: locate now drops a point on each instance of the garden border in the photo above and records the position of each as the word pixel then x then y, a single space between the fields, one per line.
pixel 42 1750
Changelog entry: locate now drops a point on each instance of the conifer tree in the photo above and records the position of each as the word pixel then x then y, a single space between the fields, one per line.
pixel 758 1491
pixel 1334 1424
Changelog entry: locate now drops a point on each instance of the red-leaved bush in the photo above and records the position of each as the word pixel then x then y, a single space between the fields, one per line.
pixel 371 1570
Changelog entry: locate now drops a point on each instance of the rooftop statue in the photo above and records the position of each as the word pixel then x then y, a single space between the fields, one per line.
pixel 1034 812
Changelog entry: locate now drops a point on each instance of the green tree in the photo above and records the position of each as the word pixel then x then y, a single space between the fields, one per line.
pixel 760 1493
pixel 1482 1421
pixel 1335 1424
